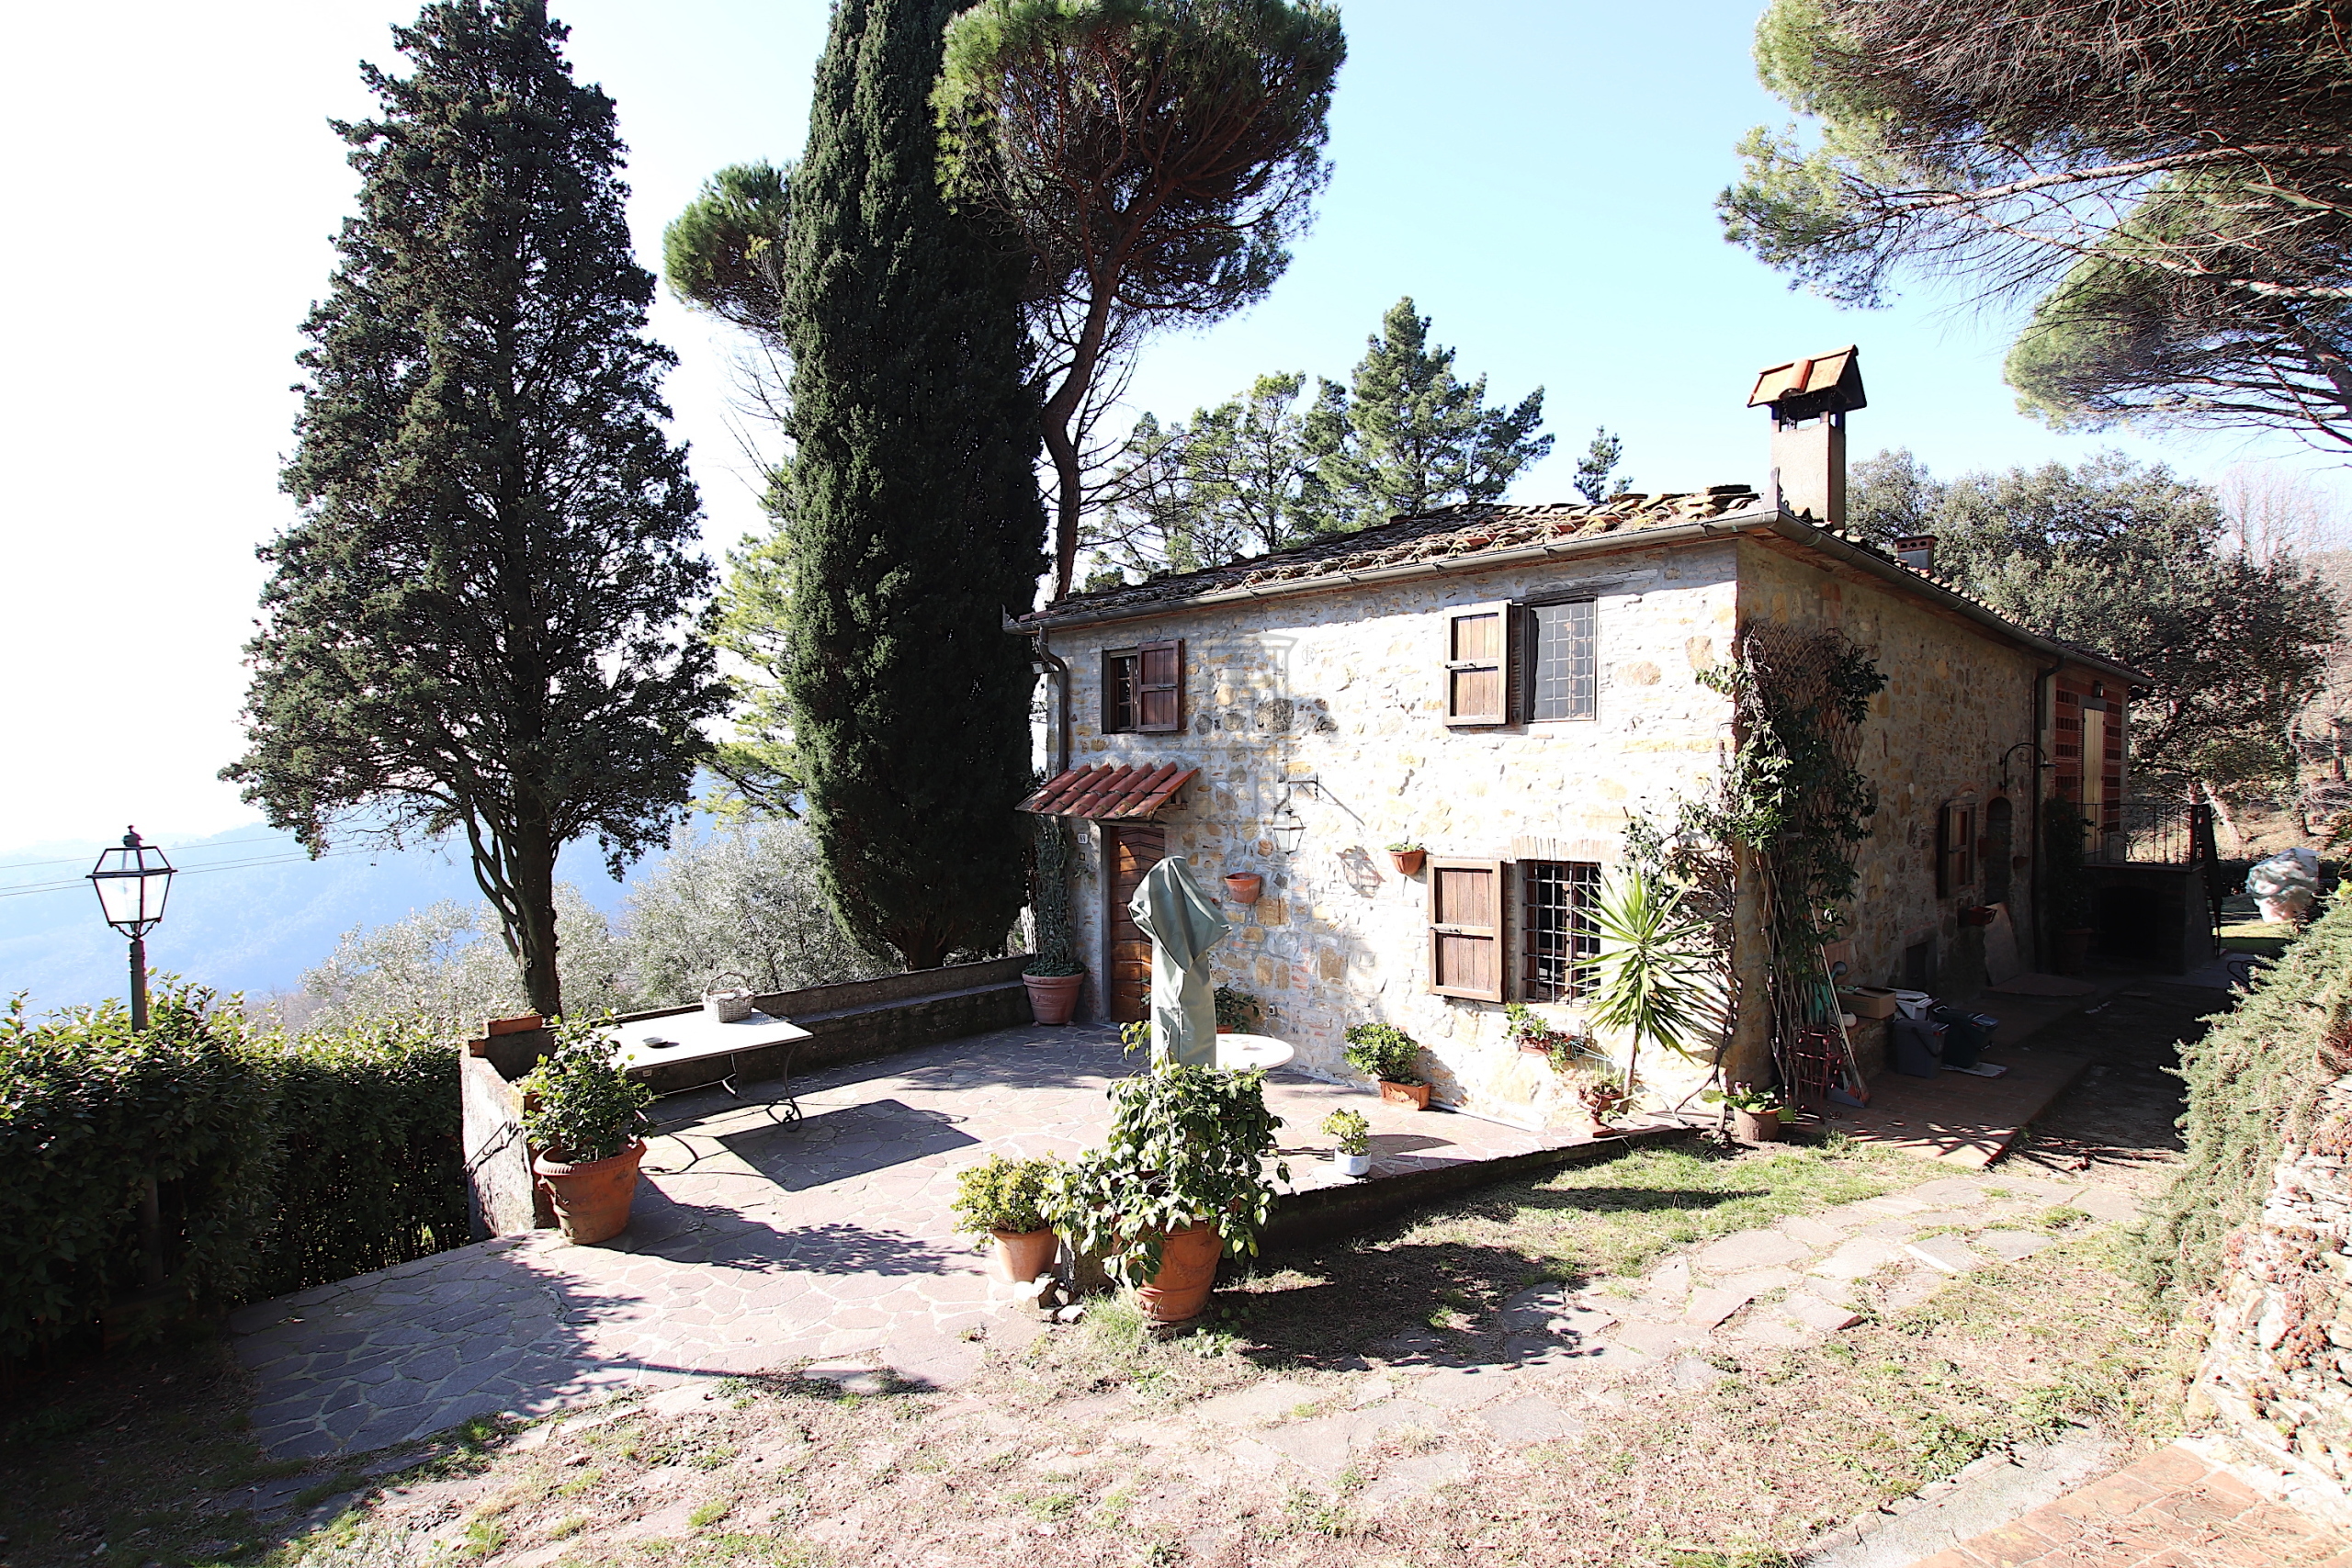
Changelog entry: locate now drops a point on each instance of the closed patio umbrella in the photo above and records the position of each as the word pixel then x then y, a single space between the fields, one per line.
pixel 1183 924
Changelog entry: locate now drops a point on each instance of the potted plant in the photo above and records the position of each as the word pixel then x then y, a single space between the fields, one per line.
pixel 1754 1112
pixel 1054 974
pixel 1006 1200
pixel 1353 1136
pixel 1576 1059
pixel 1407 857
pixel 586 1118
pixel 1655 979
pixel 1386 1055
pixel 1243 886
pixel 1179 1180
pixel 1237 1012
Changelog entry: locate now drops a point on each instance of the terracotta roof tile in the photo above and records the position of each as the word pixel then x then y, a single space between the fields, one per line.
pixel 1124 792
pixel 1469 529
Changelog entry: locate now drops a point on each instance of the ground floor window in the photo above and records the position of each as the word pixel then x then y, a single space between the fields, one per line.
pixel 1559 942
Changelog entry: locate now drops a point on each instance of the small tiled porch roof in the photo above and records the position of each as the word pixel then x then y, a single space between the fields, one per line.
pixel 1122 792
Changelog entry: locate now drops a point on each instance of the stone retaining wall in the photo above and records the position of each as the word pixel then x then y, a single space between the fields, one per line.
pixel 2276 1375
pixel 854 1021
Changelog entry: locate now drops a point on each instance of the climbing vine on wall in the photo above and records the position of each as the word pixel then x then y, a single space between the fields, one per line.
pixel 1790 802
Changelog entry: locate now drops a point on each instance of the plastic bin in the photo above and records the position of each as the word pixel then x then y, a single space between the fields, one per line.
pixel 1916 1046
pixel 1968 1034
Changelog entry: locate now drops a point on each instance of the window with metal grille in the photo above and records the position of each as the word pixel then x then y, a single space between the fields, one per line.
pixel 1558 941
pixel 1561 653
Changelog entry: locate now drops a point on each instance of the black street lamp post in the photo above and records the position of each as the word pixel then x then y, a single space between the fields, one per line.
pixel 132 883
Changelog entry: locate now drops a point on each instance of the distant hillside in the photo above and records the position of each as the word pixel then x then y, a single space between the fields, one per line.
pixel 249 911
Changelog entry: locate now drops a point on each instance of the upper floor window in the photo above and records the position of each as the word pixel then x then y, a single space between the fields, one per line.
pixel 1509 663
pixel 1143 689
pixel 1562 660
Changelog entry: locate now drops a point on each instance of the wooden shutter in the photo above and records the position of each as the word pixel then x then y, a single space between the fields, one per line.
pixel 1467 928
pixel 1955 849
pixel 1477 664
pixel 1160 687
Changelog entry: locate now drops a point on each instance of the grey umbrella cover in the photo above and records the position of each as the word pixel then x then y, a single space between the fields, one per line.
pixel 1183 924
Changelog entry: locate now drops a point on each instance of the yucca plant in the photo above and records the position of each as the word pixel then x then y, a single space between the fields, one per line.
pixel 1655 977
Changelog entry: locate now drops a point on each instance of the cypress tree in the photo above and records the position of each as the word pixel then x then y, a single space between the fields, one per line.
pixel 482 618
pixel 914 524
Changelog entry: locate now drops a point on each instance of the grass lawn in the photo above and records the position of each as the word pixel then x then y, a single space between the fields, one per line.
pixel 1093 1445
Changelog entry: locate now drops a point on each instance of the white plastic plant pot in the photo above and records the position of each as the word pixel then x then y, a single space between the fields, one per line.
pixel 1354 1165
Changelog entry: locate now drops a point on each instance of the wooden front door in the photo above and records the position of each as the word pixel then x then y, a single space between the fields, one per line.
pixel 1132 850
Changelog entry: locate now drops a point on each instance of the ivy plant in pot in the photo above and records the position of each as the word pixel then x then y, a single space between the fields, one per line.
pixel 1054 974
pixel 1386 1055
pixel 1179 1180
pixel 1754 1112
pixel 1352 1133
pixel 1237 1012
pixel 1006 1200
pixel 587 1118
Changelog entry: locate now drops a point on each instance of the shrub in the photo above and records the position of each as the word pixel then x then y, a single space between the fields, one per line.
pixel 1004 1194
pixel 1238 1012
pixel 2254 1082
pixel 279 1162
pixel 1383 1051
pixel 1186 1144
pixel 374 1173
pixel 89 1112
pixel 578 1105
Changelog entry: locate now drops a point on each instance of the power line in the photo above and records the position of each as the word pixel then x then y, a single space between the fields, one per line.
pixel 191 849
pixel 31 888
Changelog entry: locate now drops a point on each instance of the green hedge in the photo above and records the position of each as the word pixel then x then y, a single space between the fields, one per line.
pixel 279 1162
pixel 2254 1082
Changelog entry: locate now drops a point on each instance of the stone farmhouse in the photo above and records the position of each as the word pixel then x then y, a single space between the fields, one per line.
pixel 1504 684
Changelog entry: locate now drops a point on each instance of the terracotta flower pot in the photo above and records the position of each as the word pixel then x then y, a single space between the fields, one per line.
pixel 1408 861
pixel 1052 998
pixel 1415 1095
pixel 1243 886
pixel 2073 950
pixel 1187 1273
pixel 1756 1126
pixel 592 1198
pixel 1022 1256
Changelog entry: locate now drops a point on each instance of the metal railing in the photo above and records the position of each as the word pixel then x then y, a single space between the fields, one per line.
pixel 2154 832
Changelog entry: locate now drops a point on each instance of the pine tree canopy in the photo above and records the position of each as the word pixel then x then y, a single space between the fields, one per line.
pixel 1407 436
pixel 914 522
pixel 2170 184
pixel 725 253
pixel 1156 158
pixel 482 618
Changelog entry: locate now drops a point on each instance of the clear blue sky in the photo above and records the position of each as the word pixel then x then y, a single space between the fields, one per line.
pixel 1538 177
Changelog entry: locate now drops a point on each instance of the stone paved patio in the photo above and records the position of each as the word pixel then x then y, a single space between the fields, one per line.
pixel 755 1242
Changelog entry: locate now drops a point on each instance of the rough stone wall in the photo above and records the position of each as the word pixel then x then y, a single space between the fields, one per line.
pixel 1956 699
pixel 2278 1370
pixel 1346 687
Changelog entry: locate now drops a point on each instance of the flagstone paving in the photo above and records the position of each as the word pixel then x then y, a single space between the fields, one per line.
pixel 755 1242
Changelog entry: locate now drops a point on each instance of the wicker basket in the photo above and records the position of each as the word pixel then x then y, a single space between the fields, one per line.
pixel 728 1004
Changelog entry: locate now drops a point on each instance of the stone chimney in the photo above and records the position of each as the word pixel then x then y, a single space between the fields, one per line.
pixel 1810 400
pixel 1917 551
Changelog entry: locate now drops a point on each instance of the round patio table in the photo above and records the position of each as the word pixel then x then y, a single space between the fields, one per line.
pixel 1239 1051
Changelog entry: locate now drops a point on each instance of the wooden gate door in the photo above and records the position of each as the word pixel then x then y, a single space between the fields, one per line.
pixel 1132 849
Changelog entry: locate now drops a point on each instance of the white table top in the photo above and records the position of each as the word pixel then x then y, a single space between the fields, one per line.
pixel 1239 1051
pixel 698 1036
